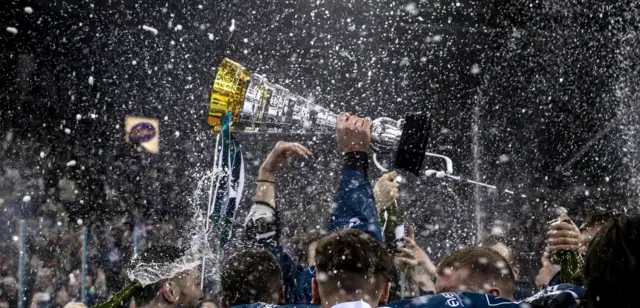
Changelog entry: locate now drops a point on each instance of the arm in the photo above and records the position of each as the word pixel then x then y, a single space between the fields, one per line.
pixel 262 225
pixel 355 204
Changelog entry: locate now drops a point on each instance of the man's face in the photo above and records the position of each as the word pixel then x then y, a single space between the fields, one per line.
pixel 190 289
pixel 586 236
pixel 452 281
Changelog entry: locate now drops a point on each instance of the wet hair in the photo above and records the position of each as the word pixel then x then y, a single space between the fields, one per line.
pixel 612 264
pixel 598 218
pixel 497 239
pixel 352 261
pixel 156 254
pixel 485 265
pixel 251 276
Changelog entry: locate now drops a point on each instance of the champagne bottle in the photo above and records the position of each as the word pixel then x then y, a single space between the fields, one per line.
pixel 393 227
pixel 571 264
pixel 122 297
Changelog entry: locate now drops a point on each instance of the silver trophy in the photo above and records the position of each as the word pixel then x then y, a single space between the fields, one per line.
pixel 258 105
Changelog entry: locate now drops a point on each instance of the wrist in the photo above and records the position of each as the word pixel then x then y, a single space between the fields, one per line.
pixel 266 176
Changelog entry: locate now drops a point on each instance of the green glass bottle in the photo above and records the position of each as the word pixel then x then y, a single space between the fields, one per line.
pixel 571 264
pixel 122 297
pixel 393 227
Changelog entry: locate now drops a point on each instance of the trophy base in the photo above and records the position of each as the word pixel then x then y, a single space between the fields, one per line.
pixel 413 143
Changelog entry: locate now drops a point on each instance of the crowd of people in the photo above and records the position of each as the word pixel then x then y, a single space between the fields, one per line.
pixel 352 263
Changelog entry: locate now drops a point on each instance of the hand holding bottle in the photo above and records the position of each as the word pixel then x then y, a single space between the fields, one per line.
pixel 563 235
pixel 386 190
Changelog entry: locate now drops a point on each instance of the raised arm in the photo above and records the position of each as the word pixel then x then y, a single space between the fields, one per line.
pixel 355 205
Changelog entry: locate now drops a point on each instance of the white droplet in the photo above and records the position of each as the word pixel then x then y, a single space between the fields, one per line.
pixel 79 222
pixel 246 40
pixel 440 174
pixel 475 69
pixel 233 25
pixel 166 118
pixel 210 36
pixel 177 134
pixel 67 131
pixel 150 29
pixel 78 117
pixel 59 223
pixel 134 62
pixel 245 51
pixel 586 193
pixel 606 179
pixel 28 10
pixel 42 155
pixel 91 80
pixel 437 38
pixel 503 158
pixel 12 30
pixel 26 198
pixel 71 163
pixel 178 27
pixel 15 238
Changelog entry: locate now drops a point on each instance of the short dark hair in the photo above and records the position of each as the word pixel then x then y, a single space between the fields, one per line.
pixel 497 239
pixel 600 217
pixel 351 261
pixel 251 276
pixel 156 254
pixel 484 264
pixel 612 263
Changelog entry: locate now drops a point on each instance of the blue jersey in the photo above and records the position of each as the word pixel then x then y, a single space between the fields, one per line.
pixel 560 296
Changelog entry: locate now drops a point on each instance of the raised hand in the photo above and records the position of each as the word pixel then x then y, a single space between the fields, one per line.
pixel 281 157
pixel 353 133
pixel 563 235
pixel 386 190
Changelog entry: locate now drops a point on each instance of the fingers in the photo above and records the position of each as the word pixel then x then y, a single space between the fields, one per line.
pixel 409 240
pixel 391 176
pixel 561 225
pixel 406 251
pixel 300 150
pixel 406 261
pixel 563 241
pixel 410 235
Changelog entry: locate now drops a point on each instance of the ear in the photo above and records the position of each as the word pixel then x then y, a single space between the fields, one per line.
pixel 516 272
pixel 315 292
pixel 384 298
pixel 170 291
pixel 494 292
pixel 223 302
pixel 281 299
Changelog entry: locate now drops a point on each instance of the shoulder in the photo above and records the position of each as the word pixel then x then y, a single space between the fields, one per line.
pixel 464 299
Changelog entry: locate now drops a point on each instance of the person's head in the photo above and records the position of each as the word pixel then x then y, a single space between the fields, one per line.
pixel 505 248
pixel 476 269
pixel 591 227
pixel 612 264
pixel 250 277
pixel 181 290
pixel 209 303
pixel 351 266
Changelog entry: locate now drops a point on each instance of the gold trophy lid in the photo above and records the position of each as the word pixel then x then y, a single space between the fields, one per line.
pixel 228 93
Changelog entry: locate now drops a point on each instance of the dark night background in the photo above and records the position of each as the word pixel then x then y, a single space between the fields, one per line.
pixel 534 96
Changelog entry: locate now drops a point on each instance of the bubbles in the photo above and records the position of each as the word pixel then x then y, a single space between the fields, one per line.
pixel 475 69
pixel 233 25
pixel 154 31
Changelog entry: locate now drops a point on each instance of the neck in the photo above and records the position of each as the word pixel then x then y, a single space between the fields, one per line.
pixel 156 303
pixel 337 300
